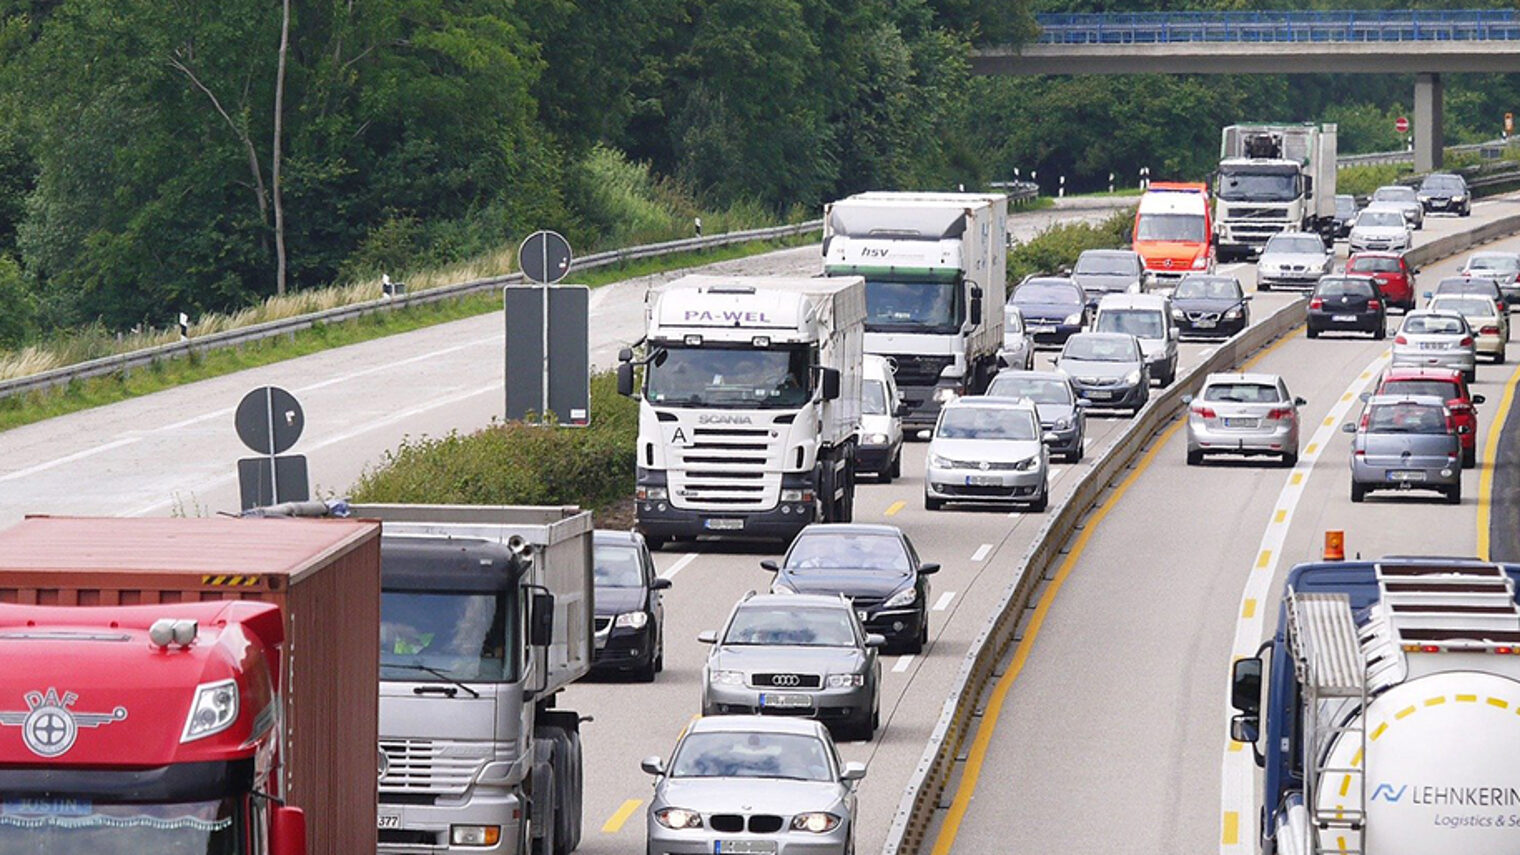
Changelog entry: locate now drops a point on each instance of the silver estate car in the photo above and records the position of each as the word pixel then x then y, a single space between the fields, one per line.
pixel 1406 443
pixel 988 450
pixel 1437 339
pixel 795 655
pixel 1242 414
pixel 755 784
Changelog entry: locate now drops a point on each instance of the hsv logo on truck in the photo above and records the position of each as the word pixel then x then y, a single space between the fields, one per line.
pixel 49 727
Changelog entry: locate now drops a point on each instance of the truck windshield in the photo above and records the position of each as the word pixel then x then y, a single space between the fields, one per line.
pixel 432 636
pixel 1257 186
pixel 71 827
pixel 915 307
pixel 743 378
pixel 1178 227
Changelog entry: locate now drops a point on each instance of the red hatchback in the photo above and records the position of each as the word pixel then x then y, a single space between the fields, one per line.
pixel 1393 275
pixel 1446 384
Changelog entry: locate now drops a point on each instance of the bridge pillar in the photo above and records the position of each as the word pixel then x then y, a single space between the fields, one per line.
pixel 1428 138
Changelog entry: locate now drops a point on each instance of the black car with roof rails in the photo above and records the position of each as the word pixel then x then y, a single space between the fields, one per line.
pixel 1347 304
pixel 630 615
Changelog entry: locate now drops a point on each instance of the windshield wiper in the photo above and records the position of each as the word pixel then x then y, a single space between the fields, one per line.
pixel 423 690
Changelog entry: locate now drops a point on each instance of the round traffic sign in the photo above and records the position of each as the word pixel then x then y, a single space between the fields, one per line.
pixel 1401 124
pixel 269 420
pixel 544 257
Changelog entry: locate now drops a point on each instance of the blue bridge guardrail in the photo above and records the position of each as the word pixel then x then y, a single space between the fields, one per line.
pixel 1329 26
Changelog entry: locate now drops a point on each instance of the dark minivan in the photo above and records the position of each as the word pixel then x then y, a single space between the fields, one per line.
pixel 630 617
pixel 1347 303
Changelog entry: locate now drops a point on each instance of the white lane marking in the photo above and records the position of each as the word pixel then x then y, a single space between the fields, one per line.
pixel 1055 472
pixel 1230 268
pixel 1237 790
pixel 902 663
pixel 944 601
pixel 981 552
pixel 679 565
pixel 60 461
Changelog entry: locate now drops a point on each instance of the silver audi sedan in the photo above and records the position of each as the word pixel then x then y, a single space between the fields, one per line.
pixel 803 655
pixel 1249 414
pixel 753 784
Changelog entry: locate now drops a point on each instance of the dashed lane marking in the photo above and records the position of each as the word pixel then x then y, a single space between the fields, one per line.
pixel 981 552
pixel 679 565
pixel 896 506
pixel 614 823
pixel 944 601
pixel 903 663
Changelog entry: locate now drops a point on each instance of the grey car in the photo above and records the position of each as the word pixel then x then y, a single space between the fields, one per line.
pixel 1017 350
pixel 1406 198
pixel 1436 339
pixel 1109 271
pixel 795 655
pixel 754 784
pixel 988 450
pixel 1406 443
pixel 1108 369
pixel 1243 414
pixel 1502 267
pixel 1062 411
pixel 1294 259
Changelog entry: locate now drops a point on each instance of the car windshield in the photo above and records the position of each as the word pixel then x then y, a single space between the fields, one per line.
pixel 1295 246
pixel 913 306
pixel 1475 285
pixel 1104 349
pixel 848 552
pixel 430 636
pixel 1047 292
pixel 1406 418
pixel 744 378
pixel 1464 306
pixel 1242 393
pixel 1442 184
pixel 873 398
pixel 1345 206
pixel 1374 264
pixel 1499 263
pixel 1209 289
pixel 1175 227
pixel 45 826
pixel 1258 187
pixel 1140 323
pixel 986 423
pixel 1433 325
pixel 1041 390
pixel 798 627
pixel 728 754
pixel 1380 219
pixel 1435 388
pixel 616 565
pixel 1094 263
pixel 1395 194
pixel 1343 288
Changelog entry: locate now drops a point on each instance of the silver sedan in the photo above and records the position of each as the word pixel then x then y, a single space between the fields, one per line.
pixel 751 784
pixel 1438 339
pixel 1243 414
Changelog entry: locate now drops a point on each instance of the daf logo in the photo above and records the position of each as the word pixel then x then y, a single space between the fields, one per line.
pixel 785 680
pixel 49 727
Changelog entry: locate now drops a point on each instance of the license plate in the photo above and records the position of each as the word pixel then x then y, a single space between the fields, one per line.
pixel 1430 345
pixel 390 820
pixel 723 524
pixel 1343 319
pixel 789 700
pixel 1204 324
pixel 744 847
pixel 1240 423
pixel 1099 396
pixel 1041 328
pixel 1406 475
pixel 984 481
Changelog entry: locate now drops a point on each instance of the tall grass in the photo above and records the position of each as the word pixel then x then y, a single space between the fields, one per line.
pixel 1059 245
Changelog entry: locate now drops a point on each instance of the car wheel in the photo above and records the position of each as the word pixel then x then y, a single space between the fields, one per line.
pixel 1500 357
pixel 645 673
pixel 1469 457
pixel 916 643
pixel 1358 492
pixel 932 504
pixel 1311 332
pixel 1290 459
pixel 1039 505
pixel 1264 286
pixel 655 543
pixel 1381 332
pixel 896 470
pixel 1194 458
pixel 1470 376
pixel 1454 494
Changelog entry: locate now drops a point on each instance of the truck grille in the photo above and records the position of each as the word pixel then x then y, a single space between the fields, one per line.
pixel 418 765
pixel 725 469
pixel 915 370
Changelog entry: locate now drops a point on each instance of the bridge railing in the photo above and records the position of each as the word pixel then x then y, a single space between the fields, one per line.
pixel 1333 26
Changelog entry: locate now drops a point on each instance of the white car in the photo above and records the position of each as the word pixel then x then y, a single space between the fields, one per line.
pixel 1406 199
pixel 1379 228
pixel 881 435
pixel 1295 259
pixel 988 450
pixel 1017 351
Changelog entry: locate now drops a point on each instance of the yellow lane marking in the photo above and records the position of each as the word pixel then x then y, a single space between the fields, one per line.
pixel 1313 446
pixel 1490 451
pixel 1467 699
pixel 1404 713
pixel 1264 559
pixel 1298 478
pixel 1248 610
pixel 978 754
pixel 1231 828
pixel 1379 731
pixel 1365 375
pixel 1346 397
pixel 1498 702
pixel 1236 746
pixel 895 507
pixel 614 824
pixel 1345 785
pixel 1435 701
pixel 1280 516
pixel 1356 759
pixel 1329 421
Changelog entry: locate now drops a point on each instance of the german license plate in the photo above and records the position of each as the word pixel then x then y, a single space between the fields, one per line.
pixel 788 700
pixel 1099 396
pixel 983 481
pixel 1406 475
pixel 1041 328
pixel 1240 423
pixel 1204 324
pixel 723 524
pixel 744 847
pixel 1343 319
pixel 390 820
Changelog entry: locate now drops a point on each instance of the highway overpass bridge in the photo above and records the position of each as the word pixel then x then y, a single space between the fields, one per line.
pixel 1427 44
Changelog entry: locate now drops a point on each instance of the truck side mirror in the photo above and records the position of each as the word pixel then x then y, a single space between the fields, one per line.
pixel 1245 688
pixel 976 305
pixel 1245 729
pixel 287 830
pixel 625 379
pixel 830 384
pixel 541 620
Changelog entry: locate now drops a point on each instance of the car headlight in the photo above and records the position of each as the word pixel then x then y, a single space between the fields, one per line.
pixel 678 818
pixel 1232 314
pixel 632 620
pixel 876 439
pixel 1425 197
pixel 214 710
pixel 845 681
pixel 720 677
pixel 1263 267
pixel 905 597
pixel 1201 262
pixel 940 462
pixel 1026 464
pixel 817 822
pixel 945 394
pixel 1133 377
pixel 1177 314
pixel 791 495
pixel 1461 197
pixel 1073 318
pixel 1061 424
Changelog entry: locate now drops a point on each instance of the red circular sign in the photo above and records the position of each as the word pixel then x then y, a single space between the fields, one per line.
pixel 1401 124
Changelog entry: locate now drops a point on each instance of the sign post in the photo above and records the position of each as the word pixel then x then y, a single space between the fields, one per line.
pixel 555 378
pixel 269 421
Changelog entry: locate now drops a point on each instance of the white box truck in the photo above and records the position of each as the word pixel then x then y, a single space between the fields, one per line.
pixel 931 261
pixel 1383 710
pixel 749 408
pixel 1273 178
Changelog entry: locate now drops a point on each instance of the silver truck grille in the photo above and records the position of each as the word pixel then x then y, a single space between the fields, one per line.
pixel 416 766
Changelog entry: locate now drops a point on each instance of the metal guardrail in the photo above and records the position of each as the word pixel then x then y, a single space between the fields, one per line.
pixel 921 800
pixel 1267 27
pixel 1379 157
pixel 1018 191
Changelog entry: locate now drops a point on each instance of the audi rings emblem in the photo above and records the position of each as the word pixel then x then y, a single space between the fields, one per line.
pixel 786 680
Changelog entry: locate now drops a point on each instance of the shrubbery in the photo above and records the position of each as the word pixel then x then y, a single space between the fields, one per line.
pixel 1059 245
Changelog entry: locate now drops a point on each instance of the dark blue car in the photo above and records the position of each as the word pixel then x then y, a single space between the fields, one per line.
pixel 1053 307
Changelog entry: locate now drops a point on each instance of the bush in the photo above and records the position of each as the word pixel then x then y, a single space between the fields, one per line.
pixel 1059 245
pixel 1362 180
pixel 517 464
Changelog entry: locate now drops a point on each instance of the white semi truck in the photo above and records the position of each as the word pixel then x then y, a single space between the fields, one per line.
pixel 1271 179
pixel 1384 710
pixel 749 410
pixel 931 261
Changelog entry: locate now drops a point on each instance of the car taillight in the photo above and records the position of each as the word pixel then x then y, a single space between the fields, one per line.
pixel 1374 304
pixel 1399 339
pixel 1204 412
pixel 1491 329
pixel 1316 303
pixel 1466 342
pixel 1280 414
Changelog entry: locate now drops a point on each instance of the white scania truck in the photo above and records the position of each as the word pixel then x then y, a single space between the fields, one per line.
pixel 1273 178
pixel 930 261
pixel 1385 711
pixel 749 410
